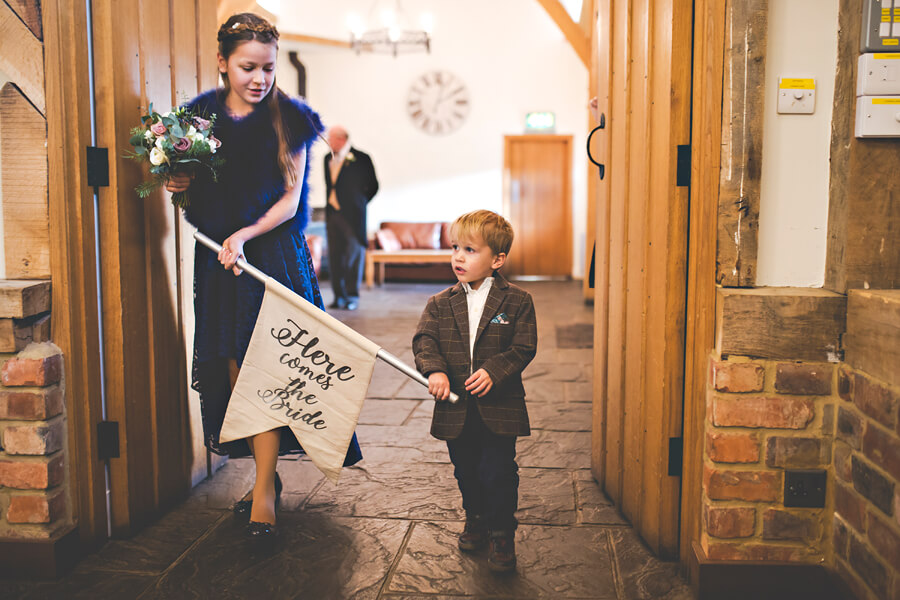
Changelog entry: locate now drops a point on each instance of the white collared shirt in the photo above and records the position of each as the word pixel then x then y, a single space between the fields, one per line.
pixel 476 300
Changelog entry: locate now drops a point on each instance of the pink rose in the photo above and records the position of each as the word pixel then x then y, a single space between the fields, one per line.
pixel 181 144
pixel 158 128
pixel 214 141
pixel 201 124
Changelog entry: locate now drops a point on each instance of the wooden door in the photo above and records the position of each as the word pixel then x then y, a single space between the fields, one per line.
pixel 537 200
pixel 160 53
pixel 644 58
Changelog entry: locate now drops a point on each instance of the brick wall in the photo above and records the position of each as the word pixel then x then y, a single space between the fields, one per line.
pixel 763 417
pixel 866 525
pixel 34 500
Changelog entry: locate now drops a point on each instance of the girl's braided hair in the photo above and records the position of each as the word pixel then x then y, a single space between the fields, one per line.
pixel 246 27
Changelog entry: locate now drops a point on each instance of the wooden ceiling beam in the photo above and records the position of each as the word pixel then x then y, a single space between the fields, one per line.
pixel 575 33
pixel 312 39
pixel 226 8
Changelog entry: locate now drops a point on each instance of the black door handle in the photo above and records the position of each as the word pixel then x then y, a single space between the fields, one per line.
pixel 600 166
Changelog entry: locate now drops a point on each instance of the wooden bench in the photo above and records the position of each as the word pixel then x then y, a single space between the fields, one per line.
pixel 407 256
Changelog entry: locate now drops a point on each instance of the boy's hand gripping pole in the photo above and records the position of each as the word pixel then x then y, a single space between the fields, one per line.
pixel 382 353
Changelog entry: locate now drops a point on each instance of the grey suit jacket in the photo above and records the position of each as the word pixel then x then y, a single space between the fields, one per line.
pixel 505 343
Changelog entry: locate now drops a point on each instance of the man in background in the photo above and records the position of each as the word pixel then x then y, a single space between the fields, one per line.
pixel 350 184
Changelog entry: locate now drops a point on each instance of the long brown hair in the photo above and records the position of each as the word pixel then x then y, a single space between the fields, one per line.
pixel 245 27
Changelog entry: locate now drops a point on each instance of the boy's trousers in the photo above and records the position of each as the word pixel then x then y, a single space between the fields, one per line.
pixel 487 473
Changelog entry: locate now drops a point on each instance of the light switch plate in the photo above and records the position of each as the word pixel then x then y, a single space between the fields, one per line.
pixel 878 74
pixel 877 116
pixel 796 96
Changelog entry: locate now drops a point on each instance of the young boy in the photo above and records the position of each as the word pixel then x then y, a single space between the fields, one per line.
pixel 475 338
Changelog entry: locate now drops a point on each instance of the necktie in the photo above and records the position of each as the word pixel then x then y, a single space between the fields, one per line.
pixel 335 171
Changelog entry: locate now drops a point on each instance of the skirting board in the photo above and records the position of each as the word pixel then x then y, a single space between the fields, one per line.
pixel 752 580
pixel 43 559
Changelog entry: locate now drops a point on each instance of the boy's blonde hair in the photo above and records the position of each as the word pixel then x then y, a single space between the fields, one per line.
pixel 496 231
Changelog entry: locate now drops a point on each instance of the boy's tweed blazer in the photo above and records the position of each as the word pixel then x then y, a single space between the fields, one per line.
pixel 505 343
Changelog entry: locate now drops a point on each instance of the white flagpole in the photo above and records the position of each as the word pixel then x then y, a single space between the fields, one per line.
pixel 261 277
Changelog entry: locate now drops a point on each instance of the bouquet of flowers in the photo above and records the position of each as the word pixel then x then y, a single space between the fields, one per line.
pixel 180 140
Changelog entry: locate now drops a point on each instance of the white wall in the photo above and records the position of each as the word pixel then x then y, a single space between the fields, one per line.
pixel 512 58
pixel 793 228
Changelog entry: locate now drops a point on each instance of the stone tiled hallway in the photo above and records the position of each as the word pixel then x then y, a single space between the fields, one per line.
pixel 388 529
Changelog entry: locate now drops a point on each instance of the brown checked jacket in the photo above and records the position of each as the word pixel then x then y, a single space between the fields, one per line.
pixel 505 343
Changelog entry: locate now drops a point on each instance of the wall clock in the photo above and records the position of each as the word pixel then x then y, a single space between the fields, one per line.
pixel 438 103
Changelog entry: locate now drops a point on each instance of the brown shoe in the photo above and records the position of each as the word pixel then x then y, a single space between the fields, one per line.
pixel 474 536
pixel 503 553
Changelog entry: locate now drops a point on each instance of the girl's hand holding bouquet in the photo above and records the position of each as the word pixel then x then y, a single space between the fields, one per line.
pixel 175 144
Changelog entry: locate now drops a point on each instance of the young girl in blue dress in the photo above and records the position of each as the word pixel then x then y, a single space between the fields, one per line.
pixel 259 208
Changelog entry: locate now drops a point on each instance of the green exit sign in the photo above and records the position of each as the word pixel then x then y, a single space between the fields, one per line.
pixel 540 122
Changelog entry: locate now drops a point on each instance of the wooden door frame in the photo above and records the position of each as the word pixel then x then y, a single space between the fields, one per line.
pixel 508 141
pixel 706 136
pixel 75 322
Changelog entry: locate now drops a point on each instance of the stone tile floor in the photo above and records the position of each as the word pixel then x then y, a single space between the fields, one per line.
pixel 388 529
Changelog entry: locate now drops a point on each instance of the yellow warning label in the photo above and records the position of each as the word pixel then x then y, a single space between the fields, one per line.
pixel 890 42
pixel 885 18
pixel 885 100
pixel 787 83
pixel 887 55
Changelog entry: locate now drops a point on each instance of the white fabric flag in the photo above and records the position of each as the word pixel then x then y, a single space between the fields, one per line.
pixel 304 370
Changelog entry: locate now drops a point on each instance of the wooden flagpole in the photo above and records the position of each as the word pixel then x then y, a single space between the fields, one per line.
pixel 382 353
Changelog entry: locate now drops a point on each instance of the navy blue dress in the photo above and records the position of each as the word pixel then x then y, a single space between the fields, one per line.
pixel 225 306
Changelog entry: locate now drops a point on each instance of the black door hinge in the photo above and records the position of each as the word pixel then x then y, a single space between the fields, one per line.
pixel 683 168
pixel 108 439
pixel 676 452
pixel 97 167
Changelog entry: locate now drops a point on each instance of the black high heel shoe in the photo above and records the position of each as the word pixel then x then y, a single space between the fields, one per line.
pixel 242 508
pixel 261 531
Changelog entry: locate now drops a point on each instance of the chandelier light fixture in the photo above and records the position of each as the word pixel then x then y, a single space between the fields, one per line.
pixel 394 36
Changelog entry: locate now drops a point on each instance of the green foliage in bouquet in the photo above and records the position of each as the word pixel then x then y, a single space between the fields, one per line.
pixel 179 141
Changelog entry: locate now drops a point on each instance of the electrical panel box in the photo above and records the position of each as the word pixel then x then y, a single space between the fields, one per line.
pixel 878 71
pixel 877 116
pixel 878 74
pixel 880 26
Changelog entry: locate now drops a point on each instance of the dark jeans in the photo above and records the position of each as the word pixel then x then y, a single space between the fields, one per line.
pixel 487 473
pixel 346 258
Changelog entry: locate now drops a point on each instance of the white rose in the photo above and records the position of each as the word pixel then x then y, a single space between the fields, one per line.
pixel 191 132
pixel 159 143
pixel 158 157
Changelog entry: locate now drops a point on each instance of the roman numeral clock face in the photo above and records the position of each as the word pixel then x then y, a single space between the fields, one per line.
pixel 438 103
